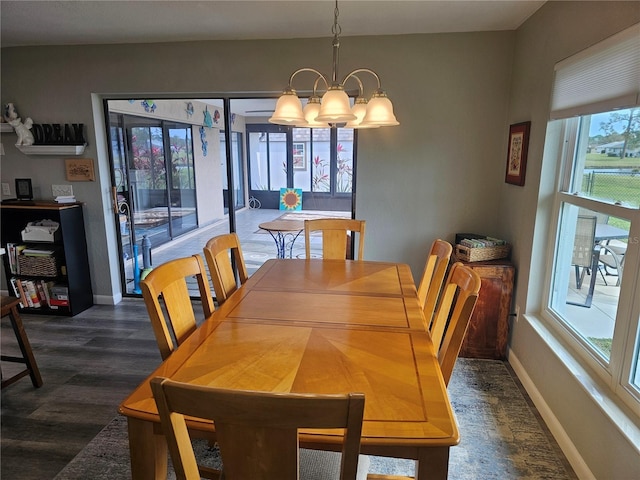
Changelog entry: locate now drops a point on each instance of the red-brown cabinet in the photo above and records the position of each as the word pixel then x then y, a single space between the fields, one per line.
pixel 488 330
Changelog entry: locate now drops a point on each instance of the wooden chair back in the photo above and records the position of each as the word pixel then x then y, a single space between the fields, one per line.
pixel 217 253
pixel 435 271
pixel 335 236
pixel 257 432
pixel 169 282
pixel 449 326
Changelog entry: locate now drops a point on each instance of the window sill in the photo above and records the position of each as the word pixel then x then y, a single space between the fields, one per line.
pixel 619 414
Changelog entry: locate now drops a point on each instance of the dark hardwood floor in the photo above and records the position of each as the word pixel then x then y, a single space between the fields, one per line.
pixel 89 363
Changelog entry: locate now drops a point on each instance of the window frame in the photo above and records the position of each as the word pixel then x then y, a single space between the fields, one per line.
pixel 617 372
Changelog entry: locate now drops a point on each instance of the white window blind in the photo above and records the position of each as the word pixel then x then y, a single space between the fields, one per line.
pixel 604 77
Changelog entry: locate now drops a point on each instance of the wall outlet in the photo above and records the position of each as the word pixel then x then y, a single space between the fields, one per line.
pixel 6 189
pixel 62 190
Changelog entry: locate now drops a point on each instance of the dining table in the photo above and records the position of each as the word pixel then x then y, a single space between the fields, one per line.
pixel 316 326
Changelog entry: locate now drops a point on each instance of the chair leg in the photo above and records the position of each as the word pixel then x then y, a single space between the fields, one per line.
pixel 25 348
pixel 602 275
pixel 595 259
pixel 579 277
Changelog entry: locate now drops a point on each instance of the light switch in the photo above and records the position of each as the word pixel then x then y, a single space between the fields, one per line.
pixel 6 189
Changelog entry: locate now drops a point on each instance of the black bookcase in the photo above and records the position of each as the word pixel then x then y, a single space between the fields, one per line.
pixel 70 275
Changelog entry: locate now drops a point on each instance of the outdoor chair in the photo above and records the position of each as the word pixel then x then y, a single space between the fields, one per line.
pixel 337 233
pixel 169 282
pixel 217 254
pixel 257 432
pixel 612 260
pixel 585 255
pixel 588 255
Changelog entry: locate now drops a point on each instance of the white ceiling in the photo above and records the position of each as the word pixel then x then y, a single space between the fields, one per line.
pixel 93 22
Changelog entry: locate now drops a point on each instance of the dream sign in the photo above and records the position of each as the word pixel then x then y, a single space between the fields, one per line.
pixel 58 134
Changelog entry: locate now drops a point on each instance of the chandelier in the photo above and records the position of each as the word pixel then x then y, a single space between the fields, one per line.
pixel 334 108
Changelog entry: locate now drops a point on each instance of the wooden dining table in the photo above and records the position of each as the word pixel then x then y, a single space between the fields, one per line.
pixel 316 326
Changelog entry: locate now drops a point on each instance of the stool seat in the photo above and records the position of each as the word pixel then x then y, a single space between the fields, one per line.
pixel 10 309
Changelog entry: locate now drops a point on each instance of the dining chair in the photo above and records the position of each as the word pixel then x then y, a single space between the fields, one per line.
pixel 217 253
pixel 257 432
pixel 449 326
pixel 337 233
pixel 10 309
pixel 169 282
pixel 433 275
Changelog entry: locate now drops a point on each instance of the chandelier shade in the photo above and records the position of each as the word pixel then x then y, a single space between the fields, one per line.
pixel 288 110
pixel 311 111
pixel 380 111
pixel 334 108
pixel 360 110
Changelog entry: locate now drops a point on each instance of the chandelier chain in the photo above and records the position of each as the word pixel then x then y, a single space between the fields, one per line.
pixel 336 29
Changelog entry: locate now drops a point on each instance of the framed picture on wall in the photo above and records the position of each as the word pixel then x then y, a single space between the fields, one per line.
pixel 517 153
pixel 299 159
pixel 80 170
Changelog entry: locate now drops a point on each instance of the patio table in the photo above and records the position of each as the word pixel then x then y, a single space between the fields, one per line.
pixel 284 233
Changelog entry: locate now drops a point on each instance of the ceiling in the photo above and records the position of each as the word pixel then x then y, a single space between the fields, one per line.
pixel 77 22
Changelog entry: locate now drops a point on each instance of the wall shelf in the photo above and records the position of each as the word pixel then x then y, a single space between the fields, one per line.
pixel 51 149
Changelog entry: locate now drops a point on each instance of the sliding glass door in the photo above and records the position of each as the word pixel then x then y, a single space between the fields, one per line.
pixel 320 162
pixel 154 188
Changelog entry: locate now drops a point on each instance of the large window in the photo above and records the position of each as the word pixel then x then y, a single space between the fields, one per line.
pixel 594 282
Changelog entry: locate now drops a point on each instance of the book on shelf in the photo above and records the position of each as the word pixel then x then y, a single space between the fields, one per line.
pixel 33 293
pixel 40 290
pixel 46 290
pixel 19 292
pixel 37 293
pixel 56 303
pixel 13 250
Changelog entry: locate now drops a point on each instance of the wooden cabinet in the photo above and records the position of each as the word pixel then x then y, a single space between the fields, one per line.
pixel 488 330
pixel 62 276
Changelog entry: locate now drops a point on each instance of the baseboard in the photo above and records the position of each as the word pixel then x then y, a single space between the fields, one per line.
pixel 555 427
pixel 107 300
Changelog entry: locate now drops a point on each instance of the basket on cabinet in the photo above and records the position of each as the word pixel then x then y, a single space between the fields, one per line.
pixel 479 254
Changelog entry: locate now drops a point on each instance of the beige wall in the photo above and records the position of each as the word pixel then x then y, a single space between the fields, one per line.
pixel 436 174
pixel 579 421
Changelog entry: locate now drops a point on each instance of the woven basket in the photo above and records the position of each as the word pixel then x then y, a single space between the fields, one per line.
pixel 37 266
pixel 480 254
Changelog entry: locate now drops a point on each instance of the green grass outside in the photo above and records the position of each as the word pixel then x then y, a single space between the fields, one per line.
pixel 616 188
pixel 599 160
pixel 602 344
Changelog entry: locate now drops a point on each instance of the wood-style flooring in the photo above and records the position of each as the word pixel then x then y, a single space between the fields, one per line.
pixel 89 363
